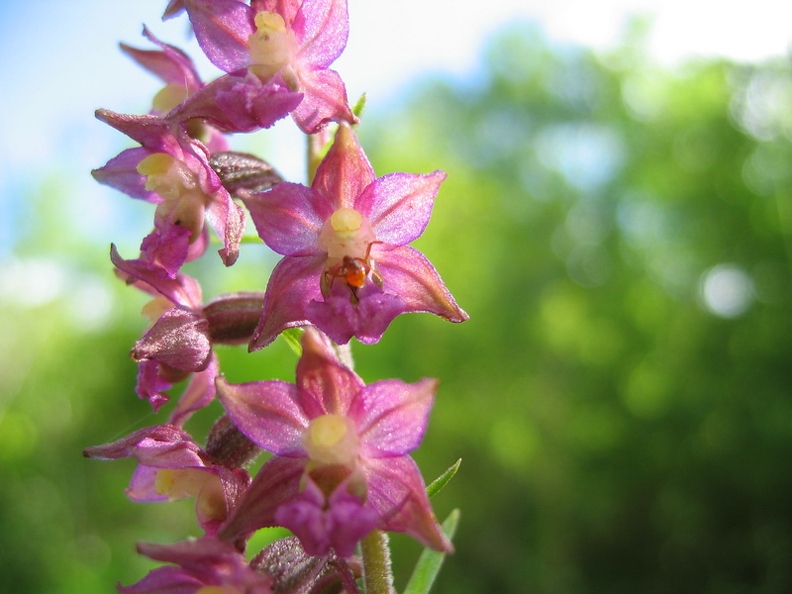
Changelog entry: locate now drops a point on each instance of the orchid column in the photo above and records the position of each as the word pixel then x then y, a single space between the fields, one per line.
pixel 340 471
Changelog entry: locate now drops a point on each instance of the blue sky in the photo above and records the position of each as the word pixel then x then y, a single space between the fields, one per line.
pixel 59 61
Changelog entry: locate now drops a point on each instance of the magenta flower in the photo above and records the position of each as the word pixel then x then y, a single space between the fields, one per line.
pixel 171 169
pixel 341 464
pixel 172 467
pixel 183 331
pixel 199 566
pixel 347 267
pixel 277 55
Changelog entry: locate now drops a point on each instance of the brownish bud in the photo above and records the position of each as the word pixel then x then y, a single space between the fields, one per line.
pixel 233 317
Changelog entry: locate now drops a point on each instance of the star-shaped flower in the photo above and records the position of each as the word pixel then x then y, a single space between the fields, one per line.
pixel 347 268
pixel 171 169
pixel 341 464
pixel 277 55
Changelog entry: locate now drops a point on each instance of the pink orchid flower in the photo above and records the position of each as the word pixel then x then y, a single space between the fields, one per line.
pixel 341 465
pixel 172 467
pixel 347 268
pixel 277 55
pixel 171 169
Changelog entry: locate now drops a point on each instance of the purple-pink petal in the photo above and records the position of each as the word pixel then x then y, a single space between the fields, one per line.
pixel 169 63
pixel 324 34
pixel 121 173
pixel 408 273
pixel 324 378
pixel 289 217
pixel 268 413
pixel 340 522
pixel 167 246
pixel 325 101
pixel 165 580
pixel 227 219
pixel 238 102
pixel 294 282
pixel 150 131
pixel 200 392
pixel 162 446
pixel 151 385
pixel 399 205
pixel 222 28
pixel 367 320
pixel 345 171
pixel 391 416
pixel 276 483
pixel 181 290
pixel 398 493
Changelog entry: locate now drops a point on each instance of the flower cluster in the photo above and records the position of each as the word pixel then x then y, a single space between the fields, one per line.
pixel 339 468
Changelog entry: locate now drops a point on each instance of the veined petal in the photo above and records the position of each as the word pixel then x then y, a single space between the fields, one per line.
pixel 337 317
pixel 267 412
pixel 325 101
pixel 288 9
pixel 392 416
pixel 121 173
pixel 325 31
pixel 181 290
pixel 160 446
pixel 169 63
pixel 228 220
pixel 276 483
pixel 398 493
pixel 345 171
pixel 320 374
pixel 150 131
pixel 222 28
pixel 293 284
pixel 399 205
pixel 289 217
pixel 198 393
pixel 238 102
pixel 407 273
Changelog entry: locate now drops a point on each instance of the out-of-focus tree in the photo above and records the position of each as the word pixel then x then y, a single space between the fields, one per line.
pixel 620 235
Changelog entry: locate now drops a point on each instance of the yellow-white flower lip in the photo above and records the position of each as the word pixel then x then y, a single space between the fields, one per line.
pixel 183 201
pixel 332 439
pixel 272 45
pixel 346 233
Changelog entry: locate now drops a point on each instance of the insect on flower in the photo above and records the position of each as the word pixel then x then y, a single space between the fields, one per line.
pixel 353 271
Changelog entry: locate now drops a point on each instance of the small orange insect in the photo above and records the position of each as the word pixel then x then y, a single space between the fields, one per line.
pixel 353 271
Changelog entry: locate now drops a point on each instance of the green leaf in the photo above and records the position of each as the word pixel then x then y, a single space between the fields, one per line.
pixel 359 106
pixel 293 337
pixel 429 563
pixel 442 480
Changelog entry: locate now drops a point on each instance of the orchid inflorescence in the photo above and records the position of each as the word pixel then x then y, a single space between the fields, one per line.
pixel 340 473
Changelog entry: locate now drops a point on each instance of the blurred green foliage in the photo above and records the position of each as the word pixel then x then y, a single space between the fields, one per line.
pixel 619 234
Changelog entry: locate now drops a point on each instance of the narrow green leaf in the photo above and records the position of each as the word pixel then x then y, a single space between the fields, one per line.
pixel 429 563
pixel 442 480
pixel 293 336
pixel 360 106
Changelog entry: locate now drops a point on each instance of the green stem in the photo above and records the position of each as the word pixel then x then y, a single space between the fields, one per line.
pixel 377 574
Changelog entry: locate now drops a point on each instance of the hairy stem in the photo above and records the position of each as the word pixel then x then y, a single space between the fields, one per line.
pixel 377 573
